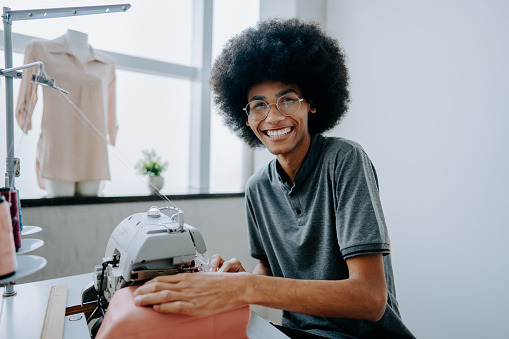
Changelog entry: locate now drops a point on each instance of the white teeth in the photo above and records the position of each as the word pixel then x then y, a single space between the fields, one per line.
pixel 279 132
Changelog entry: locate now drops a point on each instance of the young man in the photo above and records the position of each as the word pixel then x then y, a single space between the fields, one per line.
pixel 315 220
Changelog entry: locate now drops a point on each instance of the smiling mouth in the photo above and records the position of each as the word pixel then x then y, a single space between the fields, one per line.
pixel 278 133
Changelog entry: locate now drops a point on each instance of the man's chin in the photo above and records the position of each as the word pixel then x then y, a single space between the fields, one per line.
pixel 275 150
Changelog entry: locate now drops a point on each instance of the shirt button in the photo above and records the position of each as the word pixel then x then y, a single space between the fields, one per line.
pixel 299 211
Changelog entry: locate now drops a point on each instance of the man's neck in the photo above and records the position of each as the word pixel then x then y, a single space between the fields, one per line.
pixel 291 163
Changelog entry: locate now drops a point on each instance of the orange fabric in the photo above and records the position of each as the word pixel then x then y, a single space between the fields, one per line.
pixel 124 320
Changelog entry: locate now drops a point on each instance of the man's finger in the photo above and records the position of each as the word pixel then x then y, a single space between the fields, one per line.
pixel 153 286
pixel 225 267
pixel 180 307
pixel 158 298
pixel 215 263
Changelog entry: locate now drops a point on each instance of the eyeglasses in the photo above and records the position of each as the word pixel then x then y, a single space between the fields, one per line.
pixel 288 105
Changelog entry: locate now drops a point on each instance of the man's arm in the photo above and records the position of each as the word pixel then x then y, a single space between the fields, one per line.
pixel 362 296
pixel 262 268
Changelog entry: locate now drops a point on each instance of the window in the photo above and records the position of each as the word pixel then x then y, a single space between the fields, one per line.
pixel 153 48
pixel 226 155
pixel 152 114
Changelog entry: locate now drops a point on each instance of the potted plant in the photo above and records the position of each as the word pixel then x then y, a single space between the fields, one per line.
pixel 152 166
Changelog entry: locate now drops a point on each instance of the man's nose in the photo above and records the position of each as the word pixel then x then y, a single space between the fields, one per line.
pixel 274 116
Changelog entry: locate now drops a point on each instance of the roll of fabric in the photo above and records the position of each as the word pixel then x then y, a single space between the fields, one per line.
pixel 11 196
pixel 8 262
pixel 124 320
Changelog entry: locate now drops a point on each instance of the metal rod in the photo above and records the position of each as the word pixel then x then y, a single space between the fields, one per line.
pixel 9 104
pixel 47 13
pixel 9 119
pixel 30 65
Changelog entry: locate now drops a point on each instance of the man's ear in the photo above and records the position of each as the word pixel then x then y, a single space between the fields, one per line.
pixel 247 123
pixel 312 108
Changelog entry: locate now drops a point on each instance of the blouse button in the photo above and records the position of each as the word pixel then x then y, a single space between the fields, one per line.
pixel 299 211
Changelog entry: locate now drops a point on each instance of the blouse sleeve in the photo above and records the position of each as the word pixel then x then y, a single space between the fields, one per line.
pixel 112 120
pixel 27 97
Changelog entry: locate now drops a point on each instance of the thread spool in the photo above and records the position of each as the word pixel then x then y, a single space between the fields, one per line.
pixel 8 262
pixel 11 196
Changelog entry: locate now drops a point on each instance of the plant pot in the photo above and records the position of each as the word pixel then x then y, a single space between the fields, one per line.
pixel 156 181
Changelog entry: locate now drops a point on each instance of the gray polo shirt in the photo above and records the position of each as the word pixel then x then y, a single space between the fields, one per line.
pixel 307 231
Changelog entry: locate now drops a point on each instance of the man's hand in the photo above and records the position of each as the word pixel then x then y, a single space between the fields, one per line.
pixel 218 264
pixel 195 294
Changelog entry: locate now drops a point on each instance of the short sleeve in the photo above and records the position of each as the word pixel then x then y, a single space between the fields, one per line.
pixel 360 223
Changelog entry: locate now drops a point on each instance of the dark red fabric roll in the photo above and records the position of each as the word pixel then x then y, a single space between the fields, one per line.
pixel 11 196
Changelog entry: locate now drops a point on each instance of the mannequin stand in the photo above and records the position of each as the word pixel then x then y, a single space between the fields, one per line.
pixel 57 188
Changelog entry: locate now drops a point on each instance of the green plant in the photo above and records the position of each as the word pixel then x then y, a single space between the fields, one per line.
pixel 151 164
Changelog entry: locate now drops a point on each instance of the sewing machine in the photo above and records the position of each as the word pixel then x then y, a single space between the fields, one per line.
pixel 143 246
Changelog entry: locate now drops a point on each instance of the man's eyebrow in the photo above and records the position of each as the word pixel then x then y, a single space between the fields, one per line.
pixel 277 95
pixel 258 97
pixel 285 91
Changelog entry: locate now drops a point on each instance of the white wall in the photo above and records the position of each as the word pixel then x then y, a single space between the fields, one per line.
pixel 430 104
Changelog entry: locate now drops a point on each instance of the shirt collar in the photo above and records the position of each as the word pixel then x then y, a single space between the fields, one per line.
pixel 311 159
pixel 58 46
pixel 308 165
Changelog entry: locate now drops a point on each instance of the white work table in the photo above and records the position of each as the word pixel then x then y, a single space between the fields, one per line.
pixel 22 315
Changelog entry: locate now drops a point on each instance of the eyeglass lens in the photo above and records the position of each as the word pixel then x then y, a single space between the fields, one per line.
pixel 288 104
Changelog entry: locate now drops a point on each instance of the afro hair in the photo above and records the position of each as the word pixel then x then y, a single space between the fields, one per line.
pixel 288 51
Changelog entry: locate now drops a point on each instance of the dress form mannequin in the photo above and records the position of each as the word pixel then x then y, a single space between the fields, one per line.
pixel 77 42
pixel 58 188
pixel 71 160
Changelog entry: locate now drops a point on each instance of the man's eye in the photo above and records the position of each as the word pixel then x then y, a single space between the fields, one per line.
pixel 288 100
pixel 258 105
pixel 289 97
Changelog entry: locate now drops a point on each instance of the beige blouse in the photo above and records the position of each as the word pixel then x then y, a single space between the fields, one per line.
pixel 68 150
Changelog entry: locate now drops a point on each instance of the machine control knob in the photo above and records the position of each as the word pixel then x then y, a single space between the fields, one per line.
pixel 154 212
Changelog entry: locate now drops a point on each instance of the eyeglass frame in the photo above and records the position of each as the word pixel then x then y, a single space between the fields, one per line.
pixel 277 106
